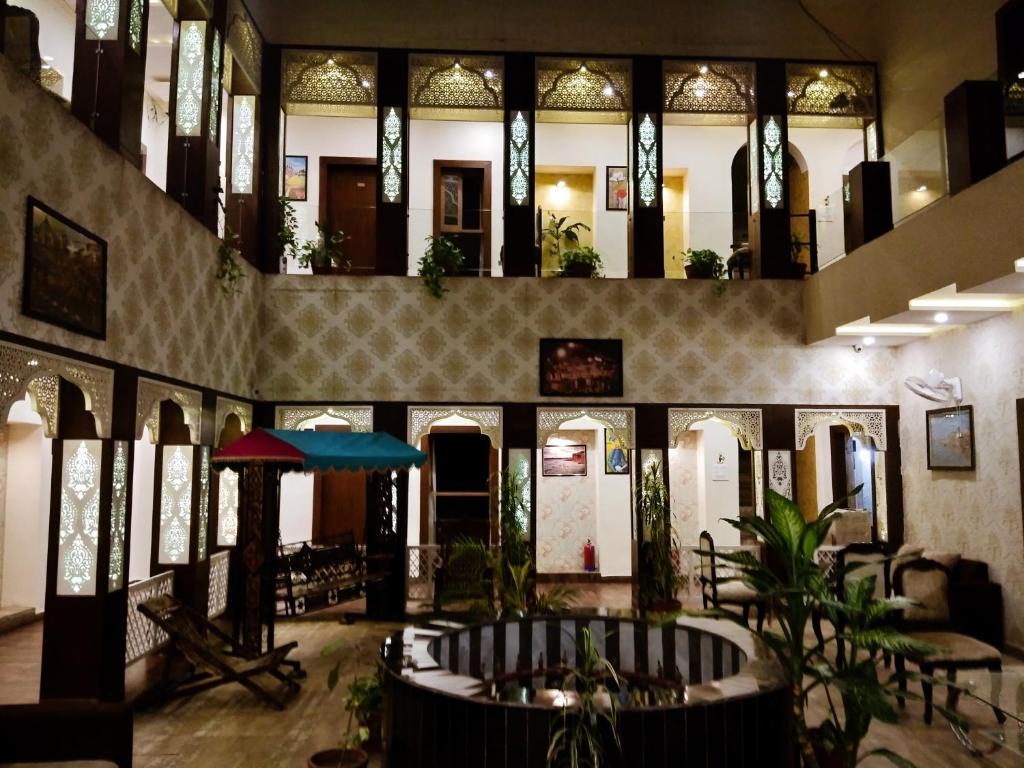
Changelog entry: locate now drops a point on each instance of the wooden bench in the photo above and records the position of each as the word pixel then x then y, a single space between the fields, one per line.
pixel 321 573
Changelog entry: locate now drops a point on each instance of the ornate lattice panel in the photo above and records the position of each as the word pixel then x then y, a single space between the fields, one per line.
pixel 421 563
pixel 78 529
pixel 204 501
pixel 772 167
pixel 147 408
pixel 191 61
pixel 780 473
pixel 391 155
pixel 1014 102
pixel 135 14
pixel 24 370
pixel 243 143
pixel 744 423
pixel 598 85
pixel 227 508
pixel 421 418
pixel 329 83
pixel 225 407
pixel 245 43
pixel 142 636
pixel 101 19
pixel 846 90
pixel 175 504
pixel 359 417
pixel 217 57
pixel 550 420
pixel 881 499
pixel 217 597
pixel 709 87
pixel 646 155
pixel 870 422
pixel 455 82
pixel 871 141
pixel 519 158
pixel 118 515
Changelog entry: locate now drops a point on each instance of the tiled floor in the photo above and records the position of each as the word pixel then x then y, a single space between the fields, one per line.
pixel 228 727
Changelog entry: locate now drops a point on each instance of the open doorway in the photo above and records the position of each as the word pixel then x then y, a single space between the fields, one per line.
pixel 833 462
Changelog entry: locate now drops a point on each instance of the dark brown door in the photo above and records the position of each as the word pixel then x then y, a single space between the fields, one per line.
pixel 339 499
pixel 348 202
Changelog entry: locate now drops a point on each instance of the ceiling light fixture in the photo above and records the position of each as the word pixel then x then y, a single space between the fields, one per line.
pixel 941 317
pixel 583 67
pixel 864 327
pixel 1020 75
pixel 704 69
pixel 869 340
pixel 561 184
pixel 330 62
pixel 47 58
pixel 791 94
pixel 489 73
pixel 967 302
pixel 608 91
pixel 366 83
pixel 823 73
pixel 457 65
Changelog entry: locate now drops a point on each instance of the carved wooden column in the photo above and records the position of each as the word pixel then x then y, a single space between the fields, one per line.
pixel 768 139
pixel 110 71
pixel 84 618
pixel 521 255
pixel 392 162
pixel 648 236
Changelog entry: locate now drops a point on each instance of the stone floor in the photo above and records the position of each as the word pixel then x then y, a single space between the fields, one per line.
pixel 229 728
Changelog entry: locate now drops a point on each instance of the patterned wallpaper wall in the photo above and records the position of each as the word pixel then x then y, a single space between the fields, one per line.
pixel 165 311
pixel 976 513
pixel 567 510
pixel 377 338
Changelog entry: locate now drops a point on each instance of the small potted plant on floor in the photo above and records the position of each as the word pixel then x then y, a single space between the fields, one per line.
pixel 703 264
pixel 442 258
pixel 580 262
pixel 323 254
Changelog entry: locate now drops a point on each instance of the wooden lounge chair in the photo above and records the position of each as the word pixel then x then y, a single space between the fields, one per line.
pixel 203 645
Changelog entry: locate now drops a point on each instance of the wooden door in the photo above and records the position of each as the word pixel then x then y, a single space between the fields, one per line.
pixel 348 202
pixel 456 494
pixel 339 499
pixel 462 210
pixel 838 437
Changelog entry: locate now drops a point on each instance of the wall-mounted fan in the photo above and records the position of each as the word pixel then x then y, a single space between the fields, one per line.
pixel 936 386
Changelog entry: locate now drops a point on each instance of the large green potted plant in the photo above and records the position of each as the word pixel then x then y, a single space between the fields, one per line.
pixel 442 258
pixel 796 588
pixel 558 230
pixel 580 262
pixel 659 581
pixel 703 264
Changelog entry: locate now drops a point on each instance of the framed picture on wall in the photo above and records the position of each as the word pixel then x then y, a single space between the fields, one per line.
pixel 617 192
pixel 581 367
pixel 564 461
pixel 950 434
pixel 295 175
pixel 65 280
pixel 616 455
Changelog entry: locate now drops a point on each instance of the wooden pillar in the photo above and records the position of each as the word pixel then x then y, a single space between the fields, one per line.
pixel 271 126
pixel 193 151
pixel 648 226
pixel 975 133
pixel 110 71
pixel 769 186
pixel 252 577
pixel 87 563
pixel 870 204
pixel 393 163
pixel 521 256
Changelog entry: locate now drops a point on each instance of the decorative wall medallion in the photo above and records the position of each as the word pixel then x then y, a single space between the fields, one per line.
pixel 780 475
pixel 391 156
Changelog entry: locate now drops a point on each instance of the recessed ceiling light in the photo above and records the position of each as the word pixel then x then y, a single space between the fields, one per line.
pixel 457 65
pixel 791 94
pixel 583 67
pixel 869 340
pixel 561 184
pixel 1020 75
pixel 941 317
pixel 823 73
pixel 608 91
pixel 703 69
pixel 46 66
pixel 47 58
pixel 366 83
pixel 330 62
pixel 922 188
pixel 489 73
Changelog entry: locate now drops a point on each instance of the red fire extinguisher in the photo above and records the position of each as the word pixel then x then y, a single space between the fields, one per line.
pixel 589 556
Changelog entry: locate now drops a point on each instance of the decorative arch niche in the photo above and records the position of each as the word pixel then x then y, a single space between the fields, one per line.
pixel 225 407
pixel 422 418
pixel 550 420
pixel 359 417
pixel 147 412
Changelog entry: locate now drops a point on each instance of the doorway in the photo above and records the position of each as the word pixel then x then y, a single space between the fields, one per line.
pixel 458 485
pixel 339 499
pixel 348 202
pixel 462 210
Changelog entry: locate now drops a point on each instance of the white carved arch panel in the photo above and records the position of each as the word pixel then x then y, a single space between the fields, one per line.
pixel 423 417
pixel 147 408
pixel 226 407
pixel 360 417
pixel 866 421
pixel 28 371
pixel 550 420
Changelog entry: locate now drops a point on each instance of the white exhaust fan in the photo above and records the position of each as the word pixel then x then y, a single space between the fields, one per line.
pixel 936 386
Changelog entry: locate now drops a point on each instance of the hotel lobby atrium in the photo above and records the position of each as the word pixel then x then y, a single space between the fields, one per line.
pixel 505 384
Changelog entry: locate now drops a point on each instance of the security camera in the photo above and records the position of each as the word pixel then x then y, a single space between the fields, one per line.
pixel 858 347
pixel 255 392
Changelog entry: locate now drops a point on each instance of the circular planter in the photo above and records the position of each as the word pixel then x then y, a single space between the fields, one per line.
pixel 339 758
pixel 696 273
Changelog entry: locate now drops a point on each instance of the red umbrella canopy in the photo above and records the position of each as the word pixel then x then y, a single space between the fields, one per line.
pixel 259 445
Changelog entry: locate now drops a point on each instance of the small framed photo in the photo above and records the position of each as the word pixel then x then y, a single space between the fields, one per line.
pixel 564 461
pixel 616 455
pixel 617 191
pixel 951 438
pixel 295 174
pixel 65 281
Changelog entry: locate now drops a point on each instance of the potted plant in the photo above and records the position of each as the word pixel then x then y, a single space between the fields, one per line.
pixel 287 234
pixel 323 254
pixel 557 230
pixel 580 262
pixel 229 266
pixel 442 258
pixel 659 581
pixel 703 264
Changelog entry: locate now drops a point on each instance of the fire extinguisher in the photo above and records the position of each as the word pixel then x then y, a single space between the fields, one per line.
pixel 589 556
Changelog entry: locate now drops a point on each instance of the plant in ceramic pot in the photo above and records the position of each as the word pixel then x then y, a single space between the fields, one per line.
pixel 580 262
pixel 557 230
pixel 324 254
pixel 442 258
pixel 703 264
pixel 229 265
pixel 659 581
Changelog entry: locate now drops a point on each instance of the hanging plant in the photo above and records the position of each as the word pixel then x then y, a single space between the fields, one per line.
pixel 287 235
pixel 442 258
pixel 229 264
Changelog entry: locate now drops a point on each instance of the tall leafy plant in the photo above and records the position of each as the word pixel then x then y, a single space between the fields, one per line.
pixel 442 258
pixel 557 230
pixel 659 580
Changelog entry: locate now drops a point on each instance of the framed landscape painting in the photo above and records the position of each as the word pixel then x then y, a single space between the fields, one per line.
pixel 581 367
pixel 295 175
pixel 564 461
pixel 951 438
pixel 65 281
